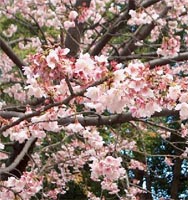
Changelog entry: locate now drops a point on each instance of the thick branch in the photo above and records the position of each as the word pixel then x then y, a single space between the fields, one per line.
pixel 146 56
pixel 176 178
pixel 112 119
pixel 10 114
pixel 168 60
pixel 148 3
pixel 96 120
pixel 15 59
pixel 17 160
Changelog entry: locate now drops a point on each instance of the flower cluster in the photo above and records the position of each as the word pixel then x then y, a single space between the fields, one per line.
pixel 27 186
pixel 170 46
pixel 110 170
pixel 56 65
pixel 143 17
pixel 75 89
pixel 135 88
pixel 10 31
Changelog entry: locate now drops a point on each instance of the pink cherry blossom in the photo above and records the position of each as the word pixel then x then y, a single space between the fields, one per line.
pixel 170 46
pixel 174 92
pixel 52 59
pixel 69 24
pixel 183 107
pixel 169 161
pixel 73 15
pixel 10 31
pixel 74 128
pixel 134 164
pixel 3 156
pixel 110 169
pixel 27 186
pixel 130 66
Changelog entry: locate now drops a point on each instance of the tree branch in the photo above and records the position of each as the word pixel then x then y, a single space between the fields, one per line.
pixel 98 119
pixel 145 56
pixel 168 60
pixel 176 178
pixel 17 160
pixel 148 3
pixel 15 59
pixel 112 119
pixel 10 114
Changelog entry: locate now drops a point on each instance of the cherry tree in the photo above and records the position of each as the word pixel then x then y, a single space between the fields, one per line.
pixel 93 93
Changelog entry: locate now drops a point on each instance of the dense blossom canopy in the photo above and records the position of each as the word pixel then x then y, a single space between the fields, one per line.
pixel 89 92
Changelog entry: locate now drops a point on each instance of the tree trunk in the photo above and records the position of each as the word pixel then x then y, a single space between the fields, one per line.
pixel 176 179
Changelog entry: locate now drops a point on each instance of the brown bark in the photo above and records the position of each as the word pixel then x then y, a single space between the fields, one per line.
pixel 93 120
pixel 141 33
pixel 74 34
pixel 176 179
pixel 175 186
pixel 163 61
pixel 116 26
pixel 148 3
pixel 18 160
pixel 119 24
pixel 10 53
pixel 73 39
